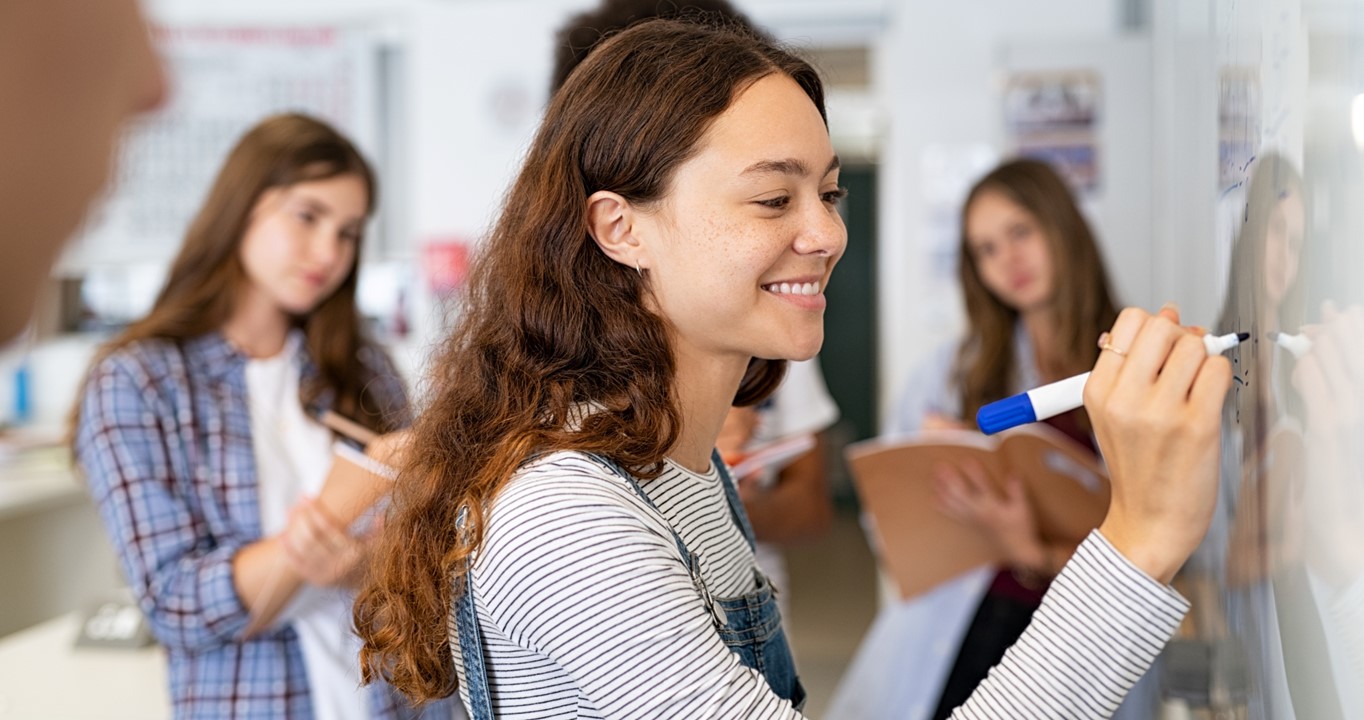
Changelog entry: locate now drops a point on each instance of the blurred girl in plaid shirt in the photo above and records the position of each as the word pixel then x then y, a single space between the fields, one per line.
pixel 198 432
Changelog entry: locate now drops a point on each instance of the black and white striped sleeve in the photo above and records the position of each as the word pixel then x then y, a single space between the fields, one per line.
pixel 1099 628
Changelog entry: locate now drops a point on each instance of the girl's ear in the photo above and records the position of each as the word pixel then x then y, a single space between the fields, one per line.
pixel 611 220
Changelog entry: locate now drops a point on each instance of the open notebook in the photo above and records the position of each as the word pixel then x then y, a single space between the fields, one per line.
pixel 919 546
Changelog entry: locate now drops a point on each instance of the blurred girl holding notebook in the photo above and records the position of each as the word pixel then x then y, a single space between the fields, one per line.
pixel 1037 297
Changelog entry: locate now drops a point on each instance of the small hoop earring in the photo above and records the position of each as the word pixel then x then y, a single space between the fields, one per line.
pixel 637 270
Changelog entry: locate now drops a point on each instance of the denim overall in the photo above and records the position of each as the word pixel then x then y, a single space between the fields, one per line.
pixel 749 625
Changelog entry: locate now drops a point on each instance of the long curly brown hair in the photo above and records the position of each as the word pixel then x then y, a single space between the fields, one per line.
pixel 1083 304
pixel 550 324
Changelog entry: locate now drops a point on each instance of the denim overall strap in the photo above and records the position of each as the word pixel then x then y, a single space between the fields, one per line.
pixel 749 625
pixel 755 632
pixel 471 642
pixel 736 506
pixel 690 560
pixel 611 465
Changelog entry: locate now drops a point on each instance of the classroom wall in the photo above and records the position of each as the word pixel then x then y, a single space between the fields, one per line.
pixel 462 99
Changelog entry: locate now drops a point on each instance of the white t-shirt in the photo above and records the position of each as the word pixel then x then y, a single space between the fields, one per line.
pixel 293 456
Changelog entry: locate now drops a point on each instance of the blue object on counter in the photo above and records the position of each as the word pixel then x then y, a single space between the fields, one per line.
pixel 23 405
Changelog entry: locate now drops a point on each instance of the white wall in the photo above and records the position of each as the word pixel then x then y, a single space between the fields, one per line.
pixel 1120 207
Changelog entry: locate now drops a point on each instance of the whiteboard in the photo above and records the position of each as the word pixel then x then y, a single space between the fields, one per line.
pixel 1258 125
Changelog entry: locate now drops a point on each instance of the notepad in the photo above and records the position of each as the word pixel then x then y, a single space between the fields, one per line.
pixel 920 547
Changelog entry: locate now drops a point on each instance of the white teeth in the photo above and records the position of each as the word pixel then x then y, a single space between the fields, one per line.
pixel 793 288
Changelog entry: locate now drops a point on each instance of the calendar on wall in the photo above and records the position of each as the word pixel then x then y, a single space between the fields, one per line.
pixel 223 80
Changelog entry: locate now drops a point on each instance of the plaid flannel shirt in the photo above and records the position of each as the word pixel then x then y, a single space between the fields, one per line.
pixel 165 443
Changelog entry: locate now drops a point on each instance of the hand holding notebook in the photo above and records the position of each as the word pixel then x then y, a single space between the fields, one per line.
pixel 920 546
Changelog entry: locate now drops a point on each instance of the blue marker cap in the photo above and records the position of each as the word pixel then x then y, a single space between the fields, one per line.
pixel 1004 414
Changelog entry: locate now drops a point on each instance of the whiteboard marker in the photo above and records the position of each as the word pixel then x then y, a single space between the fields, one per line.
pixel 1065 395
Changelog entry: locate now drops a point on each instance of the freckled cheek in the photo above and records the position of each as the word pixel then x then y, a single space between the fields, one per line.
pixel 756 254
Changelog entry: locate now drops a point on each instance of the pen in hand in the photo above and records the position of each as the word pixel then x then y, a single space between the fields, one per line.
pixel 348 428
pixel 1064 395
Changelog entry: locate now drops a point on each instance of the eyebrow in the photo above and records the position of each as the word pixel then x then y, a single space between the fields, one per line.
pixel 788 166
pixel 313 203
pixel 321 207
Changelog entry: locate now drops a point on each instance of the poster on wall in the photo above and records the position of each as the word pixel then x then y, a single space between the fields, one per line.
pixel 223 80
pixel 1054 116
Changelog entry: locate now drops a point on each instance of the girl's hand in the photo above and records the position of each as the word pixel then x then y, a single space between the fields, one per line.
pixel 935 421
pixel 319 549
pixel 966 494
pixel 1155 398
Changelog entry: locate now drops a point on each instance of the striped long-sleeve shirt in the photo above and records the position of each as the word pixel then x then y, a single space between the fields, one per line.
pixel 587 611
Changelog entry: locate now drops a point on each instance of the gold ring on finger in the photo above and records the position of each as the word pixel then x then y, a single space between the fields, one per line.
pixel 1113 349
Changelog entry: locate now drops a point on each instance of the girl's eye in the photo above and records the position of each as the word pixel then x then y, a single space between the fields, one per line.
pixel 776 203
pixel 307 217
pixel 833 197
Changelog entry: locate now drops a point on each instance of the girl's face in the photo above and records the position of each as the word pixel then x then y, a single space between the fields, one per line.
pixel 739 252
pixel 301 241
pixel 1010 252
pixel 1283 244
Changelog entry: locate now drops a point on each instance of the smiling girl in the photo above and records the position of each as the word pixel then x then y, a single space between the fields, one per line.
pixel 565 543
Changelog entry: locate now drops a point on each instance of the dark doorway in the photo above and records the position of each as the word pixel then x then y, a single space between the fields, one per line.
pixel 850 345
